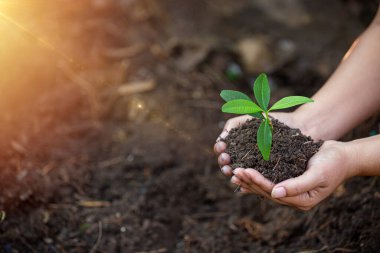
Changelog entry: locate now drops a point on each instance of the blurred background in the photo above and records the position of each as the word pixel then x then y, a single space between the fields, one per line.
pixel 109 110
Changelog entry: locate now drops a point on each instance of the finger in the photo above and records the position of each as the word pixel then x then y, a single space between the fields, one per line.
pixel 236 180
pixel 224 159
pixel 239 172
pixel 245 190
pixel 304 201
pixel 227 170
pixel 247 182
pixel 235 122
pixel 297 186
pixel 222 136
pixel 248 190
pixel 257 191
pixel 258 185
pixel 220 147
pixel 251 187
pixel 258 179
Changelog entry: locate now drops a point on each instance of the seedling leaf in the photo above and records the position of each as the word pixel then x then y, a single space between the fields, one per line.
pixel 264 139
pixel 290 102
pixel 240 103
pixel 229 95
pixel 240 106
pixel 262 91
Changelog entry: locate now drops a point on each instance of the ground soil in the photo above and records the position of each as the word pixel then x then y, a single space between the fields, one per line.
pixel 89 166
pixel 291 150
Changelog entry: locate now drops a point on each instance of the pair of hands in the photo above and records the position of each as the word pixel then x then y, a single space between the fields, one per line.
pixel 326 170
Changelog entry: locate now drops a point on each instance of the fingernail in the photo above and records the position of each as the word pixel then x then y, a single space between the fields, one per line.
pixel 235 171
pixel 224 156
pixel 223 134
pixel 225 169
pixel 279 192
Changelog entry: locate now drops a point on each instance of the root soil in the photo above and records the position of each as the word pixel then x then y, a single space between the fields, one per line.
pixel 291 150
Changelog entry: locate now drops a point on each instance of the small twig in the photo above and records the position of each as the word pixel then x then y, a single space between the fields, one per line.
pixel 237 189
pixel 135 87
pixel 373 182
pixel 324 225
pixel 313 251
pixel 100 234
pixel 246 154
pixel 93 203
pixel 162 250
pixel 277 163
pixel 343 250
pixel 323 241
pixel 111 162
pixel 3 215
pixel 306 142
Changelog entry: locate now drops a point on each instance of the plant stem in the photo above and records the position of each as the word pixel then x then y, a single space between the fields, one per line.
pixel 267 118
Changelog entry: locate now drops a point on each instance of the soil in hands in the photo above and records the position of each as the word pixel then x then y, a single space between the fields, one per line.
pixel 291 150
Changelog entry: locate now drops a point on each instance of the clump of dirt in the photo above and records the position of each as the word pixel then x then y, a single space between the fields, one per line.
pixel 291 150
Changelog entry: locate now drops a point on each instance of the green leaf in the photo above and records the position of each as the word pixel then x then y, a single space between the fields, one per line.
pixel 240 106
pixel 262 91
pixel 229 95
pixel 264 139
pixel 290 102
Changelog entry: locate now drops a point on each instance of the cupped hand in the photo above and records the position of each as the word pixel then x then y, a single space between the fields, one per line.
pixel 326 170
pixel 220 147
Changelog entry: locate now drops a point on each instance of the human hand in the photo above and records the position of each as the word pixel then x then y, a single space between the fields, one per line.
pixel 326 170
pixel 224 159
pixel 220 146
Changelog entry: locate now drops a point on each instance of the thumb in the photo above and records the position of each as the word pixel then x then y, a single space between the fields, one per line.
pixel 296 186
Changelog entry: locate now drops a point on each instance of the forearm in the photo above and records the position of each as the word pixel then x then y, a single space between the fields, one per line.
pixel 351 95
pixel 363 155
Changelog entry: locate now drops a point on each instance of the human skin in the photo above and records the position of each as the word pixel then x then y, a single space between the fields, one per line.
pixel 332 165
pixel 350 96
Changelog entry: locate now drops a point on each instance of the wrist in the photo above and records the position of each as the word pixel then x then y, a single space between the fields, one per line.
pixel 350 156
pixel 343 155
pixel 309 125
pixel 364 154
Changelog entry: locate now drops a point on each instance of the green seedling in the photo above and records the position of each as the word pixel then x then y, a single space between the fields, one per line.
pixel 240 103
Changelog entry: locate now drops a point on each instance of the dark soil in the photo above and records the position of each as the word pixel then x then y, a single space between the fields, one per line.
pixel 291 150
pixel 85 167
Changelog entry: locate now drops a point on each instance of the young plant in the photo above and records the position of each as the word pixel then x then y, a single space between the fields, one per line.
pixel 239 103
